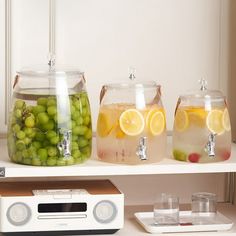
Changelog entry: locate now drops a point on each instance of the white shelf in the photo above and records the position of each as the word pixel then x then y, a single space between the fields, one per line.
pixel 131 226
pixel 94 167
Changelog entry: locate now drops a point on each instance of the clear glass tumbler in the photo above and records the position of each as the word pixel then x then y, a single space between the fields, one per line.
pixel 204 207
pixel 166 210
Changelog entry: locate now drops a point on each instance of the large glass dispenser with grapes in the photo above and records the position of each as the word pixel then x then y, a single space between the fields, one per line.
pixel 202 131
pixel 131 125
pixel 50 120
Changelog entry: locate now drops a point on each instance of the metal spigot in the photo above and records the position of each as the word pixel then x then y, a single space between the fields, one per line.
pixel 64 145
pixel 210 145
pixel 142 149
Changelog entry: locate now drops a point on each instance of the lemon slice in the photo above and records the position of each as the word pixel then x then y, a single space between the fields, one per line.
pixel 226 120
pixel 214 121
pixel 181 120
pixel 104 125
pixel 197 116
pixel 132 122
pixel 157 123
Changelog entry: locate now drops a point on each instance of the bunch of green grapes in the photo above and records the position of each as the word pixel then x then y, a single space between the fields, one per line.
pixel 34 135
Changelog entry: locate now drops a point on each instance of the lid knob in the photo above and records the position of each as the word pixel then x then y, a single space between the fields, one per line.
pixel 51 61
pixel 203 84
pixel 132 73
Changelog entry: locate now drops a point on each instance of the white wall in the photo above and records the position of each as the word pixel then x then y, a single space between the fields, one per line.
pixel 2 66
pixel 172 42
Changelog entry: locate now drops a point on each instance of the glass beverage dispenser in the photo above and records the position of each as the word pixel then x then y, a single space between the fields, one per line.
pixel 131 125
pixel 202 131
pixel 50 120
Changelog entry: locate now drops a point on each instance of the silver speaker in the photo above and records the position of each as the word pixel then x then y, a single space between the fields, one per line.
pixel 105 211
pixel 18 213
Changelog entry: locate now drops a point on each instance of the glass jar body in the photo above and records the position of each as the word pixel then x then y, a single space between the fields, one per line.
pixel 131 126
pixel 50 120
pixel 202 131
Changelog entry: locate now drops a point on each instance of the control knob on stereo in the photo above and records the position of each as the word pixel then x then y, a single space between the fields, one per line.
pixel 105 211
pixel 18 213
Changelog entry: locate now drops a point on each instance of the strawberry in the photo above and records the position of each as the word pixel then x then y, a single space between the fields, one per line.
pixel 194 157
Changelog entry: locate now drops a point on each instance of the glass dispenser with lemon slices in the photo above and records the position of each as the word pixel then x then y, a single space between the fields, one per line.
pixel 131 125
pixel 202 131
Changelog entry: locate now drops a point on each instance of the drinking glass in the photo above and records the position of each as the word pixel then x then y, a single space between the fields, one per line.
pixel 166 210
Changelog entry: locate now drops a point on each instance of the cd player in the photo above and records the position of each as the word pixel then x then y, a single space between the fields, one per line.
pixel 60 208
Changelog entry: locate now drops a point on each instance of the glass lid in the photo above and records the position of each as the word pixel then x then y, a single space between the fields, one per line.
pixel 203 93
pixel 51 69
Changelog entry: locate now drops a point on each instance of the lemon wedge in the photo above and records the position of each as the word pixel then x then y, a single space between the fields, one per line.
pixel 226 120
pixel 214 121
pixel 181 120
pixel 197 116
pixel 131 122
pixel 157 123
pixel 104 125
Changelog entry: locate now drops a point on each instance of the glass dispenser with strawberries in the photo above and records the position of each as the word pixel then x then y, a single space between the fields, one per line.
pixel 131 125
pixel 202 131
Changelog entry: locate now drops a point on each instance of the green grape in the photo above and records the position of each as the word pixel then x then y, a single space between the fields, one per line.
pixel 72 109
pixel 39 136
pixel 74 145
pixel 74 137
pixel 87 120
pixel 79 120
pixel 51 134
pixel 38 109
pixel 19 104
pixel 20 134
pixel 52 110
pixel 54 140
pixel 37 145
pixel 51 102
pixel 83 101
pixel 25 153
pixel 32 151
pixel 27 161
pixel 46 143
pixel 86 151
pixel 18 113
pixel 80 130
pixel 52 151
pixel 42 154
pixel 70 161
pixel 77 105
pixel 16 128
pixel 30 121
pixel 29 109
pixel 61 161
pixel 76 153
pixel 42 118
pixel 13 120
pixel 88 134
pixel 49 125
pixel 82 142
pixel 52 161
pixel 20 145
pixel 36 162
pixel 27 131
pixel 73 124
pixel 27 140
pixel 84 112
pixel 42 101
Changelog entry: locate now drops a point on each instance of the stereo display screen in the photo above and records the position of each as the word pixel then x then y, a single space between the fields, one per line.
pixel 62 207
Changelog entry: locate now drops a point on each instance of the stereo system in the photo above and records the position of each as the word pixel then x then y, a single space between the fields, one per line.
pixel 53 208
